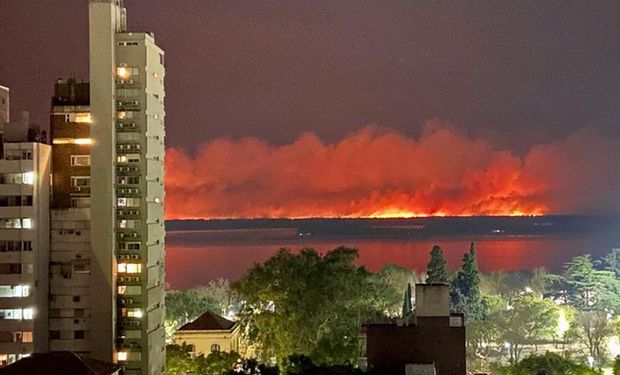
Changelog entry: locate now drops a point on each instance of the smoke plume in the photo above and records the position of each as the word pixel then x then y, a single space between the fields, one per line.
pixel 380 173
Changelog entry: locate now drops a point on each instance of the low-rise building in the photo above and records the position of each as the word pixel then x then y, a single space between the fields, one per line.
pixel 209 333
pixel 431 336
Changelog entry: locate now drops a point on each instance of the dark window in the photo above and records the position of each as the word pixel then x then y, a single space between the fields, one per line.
pixel 10 268
pixel 215 348
pixel 54 335
pixel 76 298
pixel 78 335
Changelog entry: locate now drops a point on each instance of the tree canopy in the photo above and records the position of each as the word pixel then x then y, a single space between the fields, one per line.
pixel 547 364
pixel 436 271
pixel 185 306
pixel 465 291
pixel 308 304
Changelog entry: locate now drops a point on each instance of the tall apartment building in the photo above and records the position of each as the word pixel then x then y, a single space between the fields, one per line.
pixel 70 310
pixel 127 192
pixel 24 239
pixel 4 105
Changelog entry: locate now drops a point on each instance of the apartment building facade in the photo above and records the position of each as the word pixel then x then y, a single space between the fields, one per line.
pixel 24 239
pixel 70 325
pixel 84 271
pixel 127 192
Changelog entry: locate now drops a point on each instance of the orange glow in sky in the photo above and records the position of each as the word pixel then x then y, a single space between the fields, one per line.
pixel 377 173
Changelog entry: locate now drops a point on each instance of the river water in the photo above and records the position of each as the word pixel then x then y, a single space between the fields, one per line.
pixel 196 257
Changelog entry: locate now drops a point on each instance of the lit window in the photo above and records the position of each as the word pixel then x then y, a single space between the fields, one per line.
pixel 8 291
pixel 72 141
pixel 10 223
pixel 82 117
pixel 124 115
pixel 28 178
pixel 122 72
pixel 21 291
pixel 129 268
pixel 28 314
pixel 125 72
pixel 122 356
pixel 132 313
pixel 27 336
pixel 80 160
pixel 128 202
pixel 14 314
pixel 27 223
pixel 129 290
pixel 129 158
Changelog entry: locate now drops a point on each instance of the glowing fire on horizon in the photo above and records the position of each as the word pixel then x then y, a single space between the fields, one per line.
pixel 382 174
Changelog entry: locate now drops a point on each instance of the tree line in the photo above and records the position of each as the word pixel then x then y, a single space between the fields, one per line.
pixel 310 306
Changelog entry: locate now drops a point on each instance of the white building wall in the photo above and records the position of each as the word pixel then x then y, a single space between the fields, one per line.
pixel 127 96
pixel 24 248
pixel 70 314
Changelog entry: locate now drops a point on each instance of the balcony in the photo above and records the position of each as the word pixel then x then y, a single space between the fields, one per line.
pixel 128 105
pixel 127 83
pixel 125 127
pixel 129 213
pixel 128 170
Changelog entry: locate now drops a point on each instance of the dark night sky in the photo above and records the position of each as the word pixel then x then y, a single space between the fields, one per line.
pixel 515 72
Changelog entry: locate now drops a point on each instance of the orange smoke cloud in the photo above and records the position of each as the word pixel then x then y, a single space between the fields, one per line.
pixel 381 173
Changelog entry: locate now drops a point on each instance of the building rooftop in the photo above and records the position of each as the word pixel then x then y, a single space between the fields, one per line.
pixel 208 322
pixel 59 363
pixel 71 92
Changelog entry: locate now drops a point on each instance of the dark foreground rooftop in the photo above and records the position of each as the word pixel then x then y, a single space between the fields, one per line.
pixel 60 363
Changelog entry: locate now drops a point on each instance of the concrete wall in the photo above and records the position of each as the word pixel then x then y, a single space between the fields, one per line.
pixel 105 23
pixel 33 181
pixel 70 305
pixel 432 300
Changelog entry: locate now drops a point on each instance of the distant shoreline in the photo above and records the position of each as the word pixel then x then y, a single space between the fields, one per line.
pixel 408 228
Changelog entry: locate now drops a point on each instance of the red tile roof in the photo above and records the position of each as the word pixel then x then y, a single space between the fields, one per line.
pixel 209 322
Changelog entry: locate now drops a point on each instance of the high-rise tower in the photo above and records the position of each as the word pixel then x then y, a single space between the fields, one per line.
pixel 127 192
pixel 70 258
